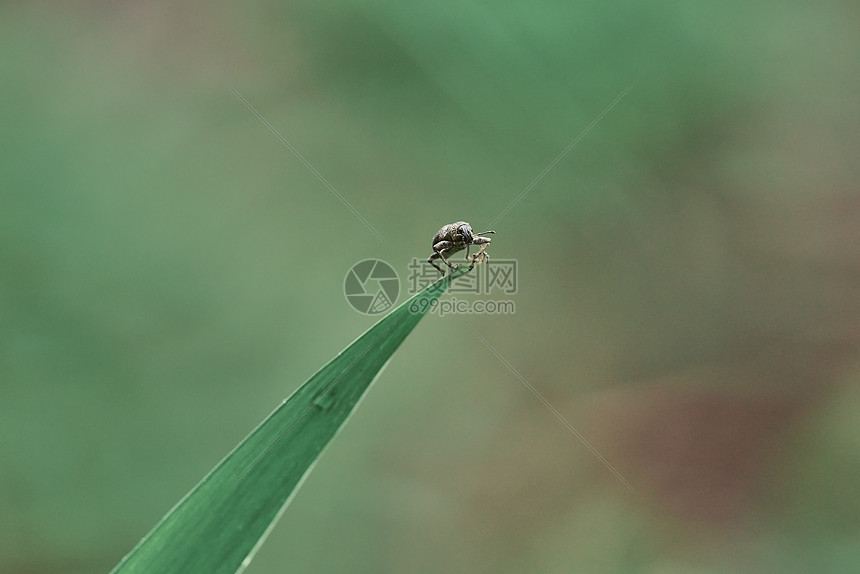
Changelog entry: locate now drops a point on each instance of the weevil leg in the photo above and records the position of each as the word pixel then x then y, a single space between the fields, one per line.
pixel 448 263
pixel 469 246
pixel 440 248
pixel 430 261
pixel 482 255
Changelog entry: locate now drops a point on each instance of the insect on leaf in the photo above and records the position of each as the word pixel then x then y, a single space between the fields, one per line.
pixel 221 522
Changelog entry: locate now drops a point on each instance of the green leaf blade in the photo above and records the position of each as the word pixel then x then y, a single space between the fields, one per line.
pixel 221 522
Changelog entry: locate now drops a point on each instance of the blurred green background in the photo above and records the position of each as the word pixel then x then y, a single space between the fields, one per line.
pixel 689 278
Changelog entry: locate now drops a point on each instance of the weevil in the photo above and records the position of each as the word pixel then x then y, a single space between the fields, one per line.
pixel 453 238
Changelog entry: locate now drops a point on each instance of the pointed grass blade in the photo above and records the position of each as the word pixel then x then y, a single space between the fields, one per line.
pixel 218 526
